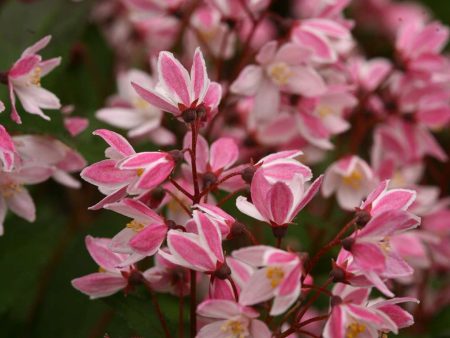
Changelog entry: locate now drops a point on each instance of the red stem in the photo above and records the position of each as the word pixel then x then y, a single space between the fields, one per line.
pixel 235 291
pixel 182 205
pixel 194 133
pixel 180 188
pixel 327 248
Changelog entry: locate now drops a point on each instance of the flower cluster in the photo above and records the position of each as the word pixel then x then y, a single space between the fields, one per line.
pixel 285 138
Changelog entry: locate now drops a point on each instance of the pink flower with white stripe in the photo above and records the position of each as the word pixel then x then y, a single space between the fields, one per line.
pixel 109 279
pixel 178 92
pixel 24 80
pixel 230 319
pixel 281 69
pixel 278 277
pixel 142 236
pixel 352 316
pixel 200 249
pixel 216 162
pixel 351 178
pixel 125 171
pixel 127 110
pixel 276 201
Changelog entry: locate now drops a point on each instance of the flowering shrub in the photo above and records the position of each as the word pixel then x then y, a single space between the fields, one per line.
pixel 266 169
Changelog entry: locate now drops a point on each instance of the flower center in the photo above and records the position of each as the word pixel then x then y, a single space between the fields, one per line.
pixel 234 328
pixel 385 245
pixel 354 329
pixel 280 73
pixel 35 77
pixel 9 189
pixel 353 179
pixel 139 171
pixel 135 226
pixel 275 276
pixel 100 269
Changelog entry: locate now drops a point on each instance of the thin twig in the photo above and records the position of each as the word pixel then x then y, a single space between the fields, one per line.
pixel 159 313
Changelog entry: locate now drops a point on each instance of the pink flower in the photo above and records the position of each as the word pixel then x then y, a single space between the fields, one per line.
pixel 277 202
pixel 200 249
pixel 177 91
pixel 280 69
pixel 48 152
pixel 168 277
pixel 15 197
pixel 278 277
pixel 351 316
pixel 24 79
pixel 215 162
pixel 230 319
pixel 325 38
pixel 127 110
pixel 351 178
pixel 125 171
pixel 369 74
pixel 142 236
pixel 109 279
pixel 7 150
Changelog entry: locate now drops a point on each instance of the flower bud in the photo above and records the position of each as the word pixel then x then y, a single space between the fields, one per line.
pixel 362 218
pixel 208 180
pixel 338 274
pixel 223 272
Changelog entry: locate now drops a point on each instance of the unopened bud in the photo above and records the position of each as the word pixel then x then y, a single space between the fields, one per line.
pixel 338 274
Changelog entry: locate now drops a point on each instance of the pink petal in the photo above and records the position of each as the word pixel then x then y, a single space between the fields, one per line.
pixel 116 141
pixel 364 314
pixel 309 194
pixel 213 95
pixel 218 308
pixel 259 329
pixel 322 49
pixel 105 173
pixel 223 153
pixel 291 282
pixel 149 240
pixel 257 290
pixel 259 190
pixel 154 176
pixel 187 247
pixel 368 256
pixel 42 43
pixel 75 125
pixel 155 99
pixel 22 205
pixel 394 199
pixel 254 255
pixel 141 160
pixel 388 223
pixel 99 284
pixel 175 77
pixel 135 209
pixel 248 81
pixel 24 66
pixel 101 253
pixel 199 76
pixel 249 209
pixel 210 233
pixel 334 328
pixel 280 202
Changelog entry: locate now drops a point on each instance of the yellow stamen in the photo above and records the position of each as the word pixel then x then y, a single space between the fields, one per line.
pixel 354 329
pixel 234 328
pixel 9 189
pixel 280 73
pixel 208 35
pixel 135 226
pixel 139 171
pixel 35 78
pixel 275 276
pixel 385 245
pixel 100 269
pixel 140 103
pixel 384 335
pixel 353 179
pixel 324 111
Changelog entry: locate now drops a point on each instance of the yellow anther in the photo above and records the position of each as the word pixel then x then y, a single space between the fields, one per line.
pixel 385 245
pixel 354 329
pixel 275 275
pixel 208 35
pixel 100 269
pixel 324 111
pixel 139 171
pixel 280 73
pixel 9 189
pixel 140 103
pixel 35 78
pixel 234 328
pixel 135 226
pixel 353 179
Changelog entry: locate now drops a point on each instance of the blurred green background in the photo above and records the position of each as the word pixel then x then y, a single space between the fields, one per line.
pixel 37 261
